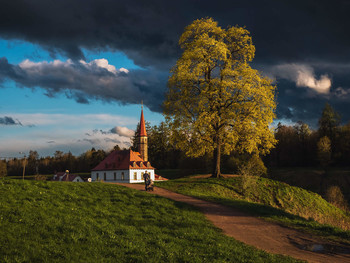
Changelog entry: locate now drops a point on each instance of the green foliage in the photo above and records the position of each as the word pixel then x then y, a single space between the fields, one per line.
pixel 324 151
pixel 3 169
pixel 40 177
pixel 272 200
pixel 335 196
pixel 254 167
pixel 95 222
pixel 329 122
pixel 216 102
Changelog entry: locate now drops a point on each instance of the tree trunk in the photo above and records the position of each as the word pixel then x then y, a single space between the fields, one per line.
pixel 217 159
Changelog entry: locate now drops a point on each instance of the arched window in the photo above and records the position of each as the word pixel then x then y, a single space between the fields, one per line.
pixel 141 164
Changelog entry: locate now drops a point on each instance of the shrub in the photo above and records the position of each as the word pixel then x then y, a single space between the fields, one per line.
pixel 254 167
pixel 40 177
pixel 335 196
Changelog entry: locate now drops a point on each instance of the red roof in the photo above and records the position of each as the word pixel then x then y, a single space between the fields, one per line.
pixel 142 125
pixel 123 160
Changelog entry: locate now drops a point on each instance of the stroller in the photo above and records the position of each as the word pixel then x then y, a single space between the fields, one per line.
pixel 149 185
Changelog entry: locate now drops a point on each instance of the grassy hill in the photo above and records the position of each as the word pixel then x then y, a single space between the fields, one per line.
pixel 271 200
pixel 95 222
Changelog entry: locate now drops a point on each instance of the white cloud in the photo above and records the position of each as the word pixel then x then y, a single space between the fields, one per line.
pixel 103 63
pixel 65 120
pixel 74 133
pixel 123 131
pixel 303 76
pixel 307 79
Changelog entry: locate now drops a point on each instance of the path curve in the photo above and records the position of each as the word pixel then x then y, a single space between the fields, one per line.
pixel 264 235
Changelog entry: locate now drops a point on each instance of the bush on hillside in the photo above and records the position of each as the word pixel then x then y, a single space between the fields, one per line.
pixel 253 167
pixel 335 196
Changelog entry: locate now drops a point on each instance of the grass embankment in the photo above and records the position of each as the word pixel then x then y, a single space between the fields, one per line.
pixel 94 222
pixel 271 200
pixel 315 179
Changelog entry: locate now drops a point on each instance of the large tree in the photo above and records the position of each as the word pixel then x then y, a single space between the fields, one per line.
pixel 216 102
pixel 329 122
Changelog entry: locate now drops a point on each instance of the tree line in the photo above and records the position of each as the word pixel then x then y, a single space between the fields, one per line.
pixel 297 145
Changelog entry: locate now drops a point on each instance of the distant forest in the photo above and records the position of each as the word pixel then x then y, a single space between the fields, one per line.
pixel 297 146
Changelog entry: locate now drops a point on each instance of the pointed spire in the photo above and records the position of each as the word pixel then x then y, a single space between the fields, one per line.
pixel 142 124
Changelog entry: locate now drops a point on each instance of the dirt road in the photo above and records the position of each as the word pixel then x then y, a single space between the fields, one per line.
pixel 267 236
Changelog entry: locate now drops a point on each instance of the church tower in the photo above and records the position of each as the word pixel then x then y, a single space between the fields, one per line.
pixel 142 138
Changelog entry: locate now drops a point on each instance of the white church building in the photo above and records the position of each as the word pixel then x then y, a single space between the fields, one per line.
pixel 126 166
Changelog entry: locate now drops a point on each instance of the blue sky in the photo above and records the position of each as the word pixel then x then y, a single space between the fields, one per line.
pixel 59 123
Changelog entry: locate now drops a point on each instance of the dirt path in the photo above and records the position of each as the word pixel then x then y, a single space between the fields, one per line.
pixel 270 237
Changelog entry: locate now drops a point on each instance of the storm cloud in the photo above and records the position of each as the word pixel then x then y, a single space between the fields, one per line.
pixel 85 81
pixel 308 38
pixel 6 120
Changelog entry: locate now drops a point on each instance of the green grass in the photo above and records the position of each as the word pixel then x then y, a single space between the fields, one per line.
pixel 271 200
pixel 44 221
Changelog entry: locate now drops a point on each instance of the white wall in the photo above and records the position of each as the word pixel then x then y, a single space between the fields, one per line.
pixel 108 176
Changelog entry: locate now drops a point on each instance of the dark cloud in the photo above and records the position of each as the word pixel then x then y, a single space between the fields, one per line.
pixel 88 81
pixel 112 140
pixel 91 141
pixel 9 121
pixel 311 33
pixel 148 31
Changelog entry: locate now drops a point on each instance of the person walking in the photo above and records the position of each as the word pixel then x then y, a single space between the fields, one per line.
pixel 147 178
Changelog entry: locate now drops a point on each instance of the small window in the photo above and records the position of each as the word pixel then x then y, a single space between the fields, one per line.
pixel 148 164
pixel 97 177
pixel 135 175
pixel 122 176
pixel 104 176
pixel 141 164
pixel 134 164
pixel 115 176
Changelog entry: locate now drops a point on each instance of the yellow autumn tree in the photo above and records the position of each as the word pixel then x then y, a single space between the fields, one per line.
pixel 216 102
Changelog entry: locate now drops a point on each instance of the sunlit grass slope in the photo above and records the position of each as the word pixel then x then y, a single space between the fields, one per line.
pixel 95 222
pixel 272 200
